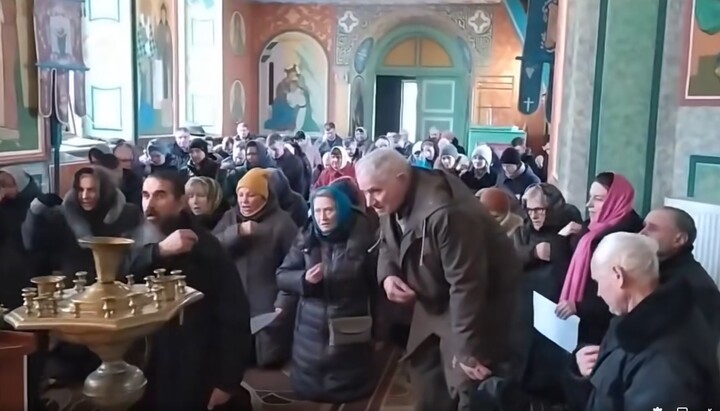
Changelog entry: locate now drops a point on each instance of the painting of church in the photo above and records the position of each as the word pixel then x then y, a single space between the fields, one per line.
pixel 293 78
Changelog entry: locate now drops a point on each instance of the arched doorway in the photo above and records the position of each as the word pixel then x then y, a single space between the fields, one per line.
pixel 437 63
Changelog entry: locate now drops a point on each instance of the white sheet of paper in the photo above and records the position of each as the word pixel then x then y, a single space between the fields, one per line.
pixel 259 322
pixel 562 332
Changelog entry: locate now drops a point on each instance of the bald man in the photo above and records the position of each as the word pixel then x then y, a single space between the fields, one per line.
pixel 658 351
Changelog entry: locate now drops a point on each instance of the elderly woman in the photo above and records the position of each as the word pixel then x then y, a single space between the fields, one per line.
pixel 499 203
pixel 330 269
pixel 205 200
pixel 545 257
pixel 541 248
pixel 257 234
pixel 340 166
pixel 610 207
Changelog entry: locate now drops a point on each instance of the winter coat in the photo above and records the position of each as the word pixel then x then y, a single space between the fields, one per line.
pixel 461 265
pixel 592 310
pixel 682 267
pixel 256 257
pixel 289 201
pixel 17 263
pixel 54 233
pixel 321 372
pixel 294 169
pixel 539 358
pixel 660 354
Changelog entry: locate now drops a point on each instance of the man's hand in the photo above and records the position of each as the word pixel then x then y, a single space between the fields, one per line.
pixel 571 228
pixel 314 274
pixel 247 228
pixel 218 398
pixel 397 291
pixel 179 242
pixel 542 250
pixel 478 372
pixel 586 358
pixel 565 309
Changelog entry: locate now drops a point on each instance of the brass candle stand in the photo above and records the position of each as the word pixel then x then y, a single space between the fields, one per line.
pixel 107 317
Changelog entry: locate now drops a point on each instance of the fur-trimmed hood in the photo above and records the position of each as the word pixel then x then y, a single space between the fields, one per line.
pixel 79 226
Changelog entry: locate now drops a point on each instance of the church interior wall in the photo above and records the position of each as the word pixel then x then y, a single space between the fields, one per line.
pixel 689 159
pixel 324 23
pixel 223 61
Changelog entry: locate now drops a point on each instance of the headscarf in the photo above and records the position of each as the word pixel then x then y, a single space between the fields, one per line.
pixel 343 213
pixel 618 204
pixel 326 159
pixel 263 158
pixel 347 185
pixel 344 156
pixel 22 179
pixel 256 180
pixel 107 195
pixel 212 189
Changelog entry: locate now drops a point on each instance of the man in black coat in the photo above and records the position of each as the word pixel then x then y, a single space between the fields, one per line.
pixel 675 232
pixel 199 364
pixel 659 352
pixel 290 164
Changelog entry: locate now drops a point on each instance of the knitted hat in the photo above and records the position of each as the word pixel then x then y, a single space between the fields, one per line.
pixel 495 199
pixel 200 144
pixel 510 156
pixel 156 147
pixel 449 150
pixel 255 180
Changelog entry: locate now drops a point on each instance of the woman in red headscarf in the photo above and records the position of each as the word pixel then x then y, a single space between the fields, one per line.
pixel 610 208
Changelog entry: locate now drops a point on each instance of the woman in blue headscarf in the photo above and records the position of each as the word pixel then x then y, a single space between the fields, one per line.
pixel 332 270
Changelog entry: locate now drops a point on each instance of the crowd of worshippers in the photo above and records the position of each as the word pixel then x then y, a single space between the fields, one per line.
pixel 347 244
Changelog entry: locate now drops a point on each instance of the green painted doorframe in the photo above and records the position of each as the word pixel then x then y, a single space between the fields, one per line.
pixel 458 72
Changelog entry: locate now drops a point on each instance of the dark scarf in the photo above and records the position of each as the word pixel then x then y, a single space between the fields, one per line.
pixel 106 199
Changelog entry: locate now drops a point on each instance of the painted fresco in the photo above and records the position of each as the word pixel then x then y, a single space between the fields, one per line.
pixel 702 82
pixel 357 103
pixel 155 57
pixel 20 139
pixel 238 34
pixel 238 101
pixel 293 73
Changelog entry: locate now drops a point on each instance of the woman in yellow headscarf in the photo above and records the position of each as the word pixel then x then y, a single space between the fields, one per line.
pixel 257 234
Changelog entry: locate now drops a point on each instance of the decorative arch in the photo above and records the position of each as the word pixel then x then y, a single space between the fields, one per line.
pixel 293 72
pixel 418 52
pixel 406 17
pixel 457 70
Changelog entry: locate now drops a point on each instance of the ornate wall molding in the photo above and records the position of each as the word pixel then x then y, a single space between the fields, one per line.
pixel 471 23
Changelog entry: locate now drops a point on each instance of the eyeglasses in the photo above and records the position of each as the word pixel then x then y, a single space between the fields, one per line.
pixel 536 210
